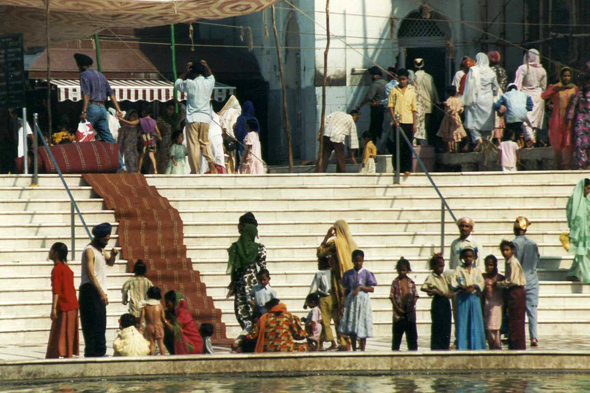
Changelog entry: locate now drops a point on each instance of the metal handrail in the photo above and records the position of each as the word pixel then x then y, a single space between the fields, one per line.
pixel 444 204
pixel 74 205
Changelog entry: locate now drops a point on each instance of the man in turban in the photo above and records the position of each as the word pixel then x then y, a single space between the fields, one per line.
pixel 93 290
pixel 527 252
pixel 95 90
pixel 465 225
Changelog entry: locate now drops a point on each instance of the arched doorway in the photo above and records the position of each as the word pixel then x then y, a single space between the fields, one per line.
pixel 426 38
pixel 293 80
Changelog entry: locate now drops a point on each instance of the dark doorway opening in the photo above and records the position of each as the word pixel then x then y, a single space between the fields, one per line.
pixel 435 64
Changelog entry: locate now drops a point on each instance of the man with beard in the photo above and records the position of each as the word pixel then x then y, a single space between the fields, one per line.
pixel 93 297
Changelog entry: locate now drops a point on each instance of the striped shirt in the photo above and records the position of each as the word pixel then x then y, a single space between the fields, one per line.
pixel 339 125
pixel 135 291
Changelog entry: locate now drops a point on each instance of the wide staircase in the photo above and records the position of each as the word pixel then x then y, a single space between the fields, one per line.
pixel 294 212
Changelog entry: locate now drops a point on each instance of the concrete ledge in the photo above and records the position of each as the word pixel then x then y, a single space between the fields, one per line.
pixel 540 158
pixel 43 370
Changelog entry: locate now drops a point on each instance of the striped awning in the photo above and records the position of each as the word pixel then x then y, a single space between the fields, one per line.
pixel 136 90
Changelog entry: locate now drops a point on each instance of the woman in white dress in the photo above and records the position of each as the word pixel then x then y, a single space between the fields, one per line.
pixel 531 78
pixel 478 98
pixel 229 116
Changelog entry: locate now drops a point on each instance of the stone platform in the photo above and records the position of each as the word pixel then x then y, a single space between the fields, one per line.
pixel 20 364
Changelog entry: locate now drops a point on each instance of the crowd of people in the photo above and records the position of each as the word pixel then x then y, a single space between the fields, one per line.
pixel 481 107
pixel 482 302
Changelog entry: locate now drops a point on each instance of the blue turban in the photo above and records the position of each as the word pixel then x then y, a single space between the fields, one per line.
pixel 102 230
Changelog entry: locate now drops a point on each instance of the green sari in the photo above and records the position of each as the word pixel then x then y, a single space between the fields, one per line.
pixel 578 220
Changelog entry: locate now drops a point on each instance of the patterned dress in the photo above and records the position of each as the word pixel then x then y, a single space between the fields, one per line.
pixel 280 333
pixel 163 151
pixel 358 314
pixel 244 280
pixel 127 140
pixel 580 112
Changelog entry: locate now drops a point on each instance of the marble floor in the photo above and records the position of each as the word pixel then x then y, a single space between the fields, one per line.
pixel 580 343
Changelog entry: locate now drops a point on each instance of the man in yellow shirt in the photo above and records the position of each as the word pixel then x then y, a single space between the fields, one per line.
pixel 402 106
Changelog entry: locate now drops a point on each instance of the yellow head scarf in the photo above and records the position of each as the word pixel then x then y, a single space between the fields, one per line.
pixel 345 245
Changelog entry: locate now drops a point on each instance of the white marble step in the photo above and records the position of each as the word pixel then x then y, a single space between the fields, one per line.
pixel 12 217
pixel 198 253
pixel 393 239
pixel 45 204
pixel 41 192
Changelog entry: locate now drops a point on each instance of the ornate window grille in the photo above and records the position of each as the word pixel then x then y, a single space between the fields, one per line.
pixel 417 27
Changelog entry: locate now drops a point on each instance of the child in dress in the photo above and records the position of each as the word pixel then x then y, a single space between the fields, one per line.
pixel 437 286
pixel 148 131
pixel 252 159
pixel 262 293
pixel 129 341
pixel 508 157
pixel 403 296
pixel 369 154
pixel 313 322
pixel 451 129
pixel 135 289
pixel 492 309
pixel 514 296
pixel 153 313
pixel 357 321
pixel 206 330
pixel 468 282
pixel 178 152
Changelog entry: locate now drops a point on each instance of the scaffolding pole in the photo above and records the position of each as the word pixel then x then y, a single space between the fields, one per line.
pixel 320 165
pixel 98 64
pixel 174 73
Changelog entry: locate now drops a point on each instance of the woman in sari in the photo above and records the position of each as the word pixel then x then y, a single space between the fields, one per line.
pixel 531 78
pixel 277 330
pixel 167 124
pixel 181 327
pixel 502 76
pixel 578 220
pixel 480 88
pixel 127 140
pixel 246 259
pixel 228 117
pixel 561 94
pixel 241 129
pixel 338 245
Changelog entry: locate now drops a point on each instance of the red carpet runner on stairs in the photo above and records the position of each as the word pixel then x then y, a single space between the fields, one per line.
pixel 151 229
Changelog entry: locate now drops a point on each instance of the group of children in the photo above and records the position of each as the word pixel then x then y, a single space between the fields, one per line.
pixel 143 327
pixel 481 302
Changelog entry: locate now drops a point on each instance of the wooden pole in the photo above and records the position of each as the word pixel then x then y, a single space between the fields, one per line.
pixel 323 116
pixel 174 72
pixel 284 88
pixel 49 117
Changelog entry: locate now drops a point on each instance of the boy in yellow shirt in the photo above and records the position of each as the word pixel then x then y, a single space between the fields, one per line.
pixel 369 154
pixel 402 106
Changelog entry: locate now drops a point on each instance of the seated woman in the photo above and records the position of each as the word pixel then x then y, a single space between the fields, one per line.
pixel 182 336
pixel 277 330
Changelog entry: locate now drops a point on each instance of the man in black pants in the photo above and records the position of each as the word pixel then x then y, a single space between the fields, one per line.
pixel 374 96
pixel 402 106
pixel 93 298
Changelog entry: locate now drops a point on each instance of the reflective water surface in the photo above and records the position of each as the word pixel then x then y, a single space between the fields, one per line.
pixel 475 382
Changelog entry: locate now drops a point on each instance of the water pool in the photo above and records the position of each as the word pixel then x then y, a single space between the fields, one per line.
pixel 410 383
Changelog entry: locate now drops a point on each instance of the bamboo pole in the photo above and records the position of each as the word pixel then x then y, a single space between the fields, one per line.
pixel 98 64
pixel 284 88
pixel 323 116
pixel 173 50
pixel 49 117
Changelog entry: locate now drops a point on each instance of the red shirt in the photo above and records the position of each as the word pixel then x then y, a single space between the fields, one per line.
pixel 62 282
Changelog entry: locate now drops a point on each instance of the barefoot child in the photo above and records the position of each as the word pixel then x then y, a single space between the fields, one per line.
pixel 321 285
pixel 178 152
pixel 252 159
pixel 492 309
pixel 129 341
pixel 135 289
pixel 514 296
pixel 313 325
pixel 357 321
pixel 508 157
pixel 404 296
pixel 369 154
pixel 468 282
pixel 148 129
pixel 154 315
pixel 451 129
pixel 437 286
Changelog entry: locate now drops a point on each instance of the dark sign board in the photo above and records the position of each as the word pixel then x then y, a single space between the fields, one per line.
pixel 12 71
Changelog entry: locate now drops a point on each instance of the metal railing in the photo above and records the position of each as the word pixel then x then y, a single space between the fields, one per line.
pixel 444 204
pixel 74 206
